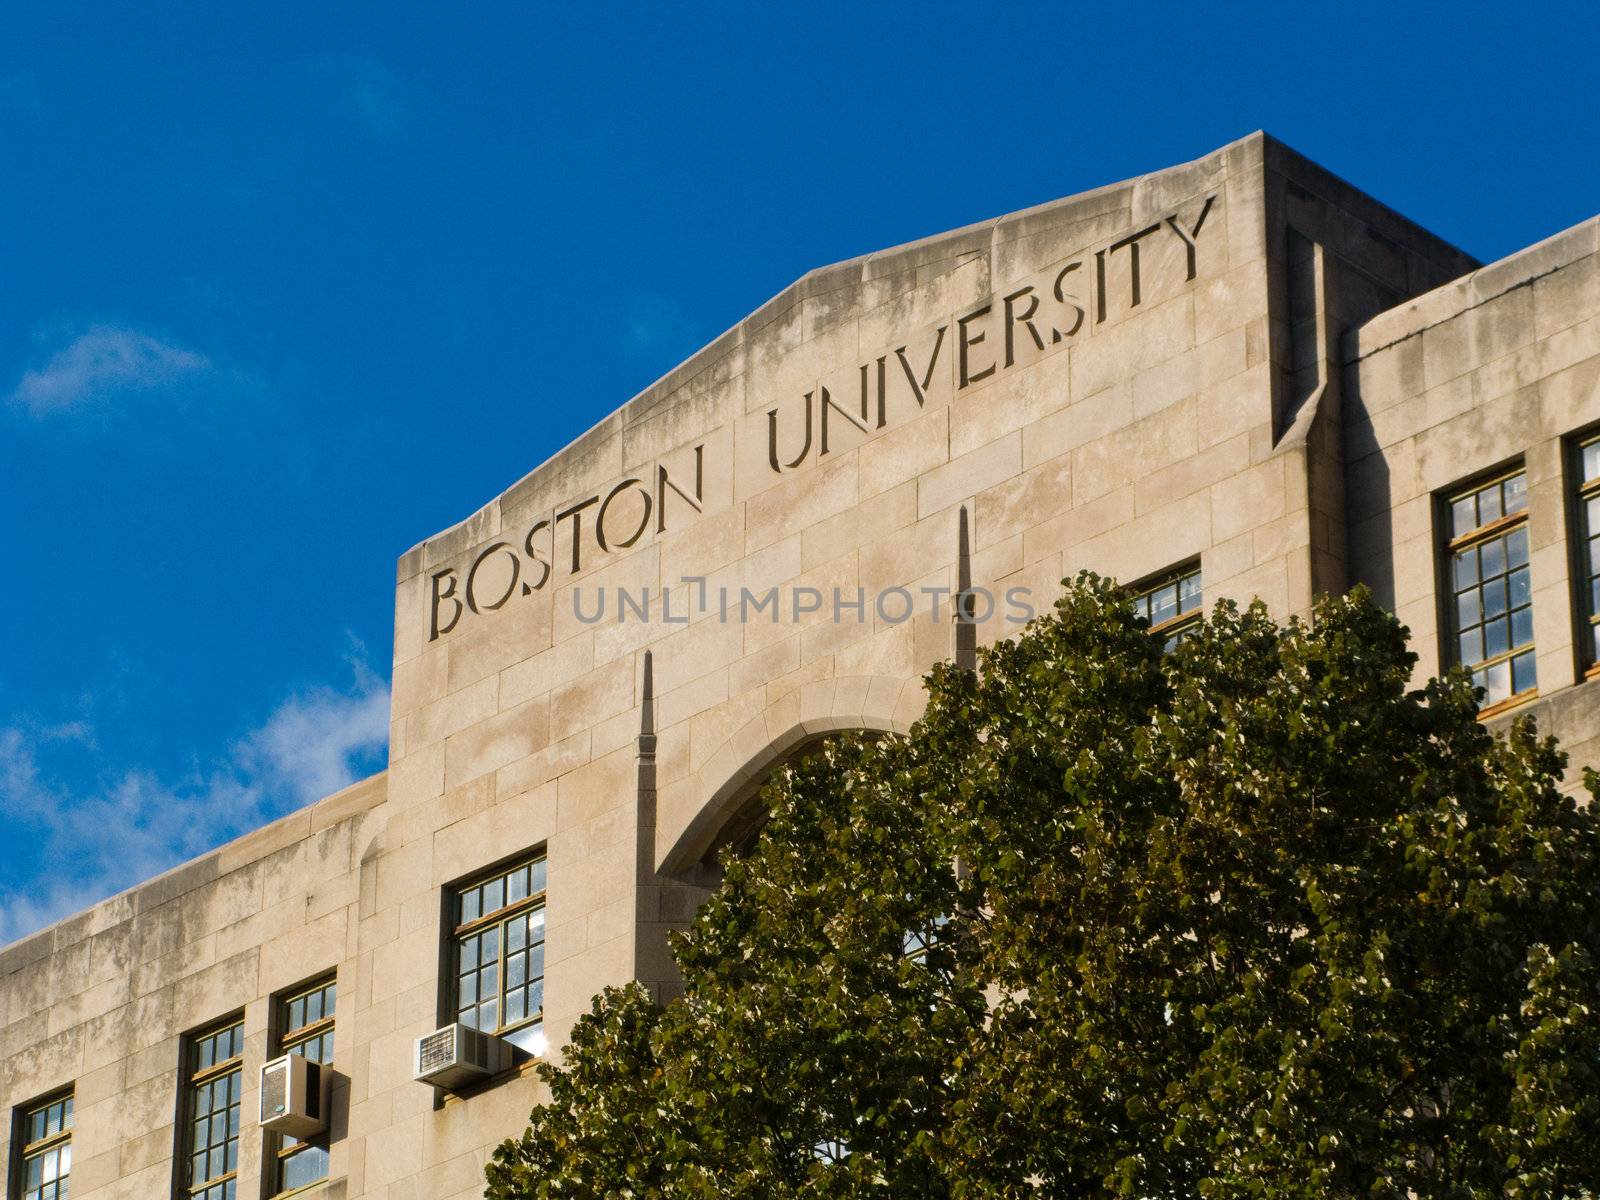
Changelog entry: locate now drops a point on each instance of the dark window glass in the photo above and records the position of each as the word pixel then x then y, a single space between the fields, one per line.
pixel 498 983
pixel 307 1030
pixel 211 1128
pixel 1172 606
pixel 1491 607
pixel 1588 542
pixel 309 1165
pixel 915 943
pixel 47 1149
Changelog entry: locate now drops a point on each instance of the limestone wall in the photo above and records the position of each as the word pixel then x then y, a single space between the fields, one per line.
pixel 1498 367
pixel 1144 376
pixel 100 1001
pixel 1099 383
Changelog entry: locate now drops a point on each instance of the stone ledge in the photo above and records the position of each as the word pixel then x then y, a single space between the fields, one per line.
pixel 1471 290
pixel 979 238
pixel 185 877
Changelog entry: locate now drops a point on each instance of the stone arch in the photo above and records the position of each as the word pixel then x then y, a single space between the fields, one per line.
pixel 693 811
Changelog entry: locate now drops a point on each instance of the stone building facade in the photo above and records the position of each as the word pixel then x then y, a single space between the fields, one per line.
pixel 1239 377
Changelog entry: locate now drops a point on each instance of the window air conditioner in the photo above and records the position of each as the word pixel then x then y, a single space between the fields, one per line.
pixel 294 1096
pixel 456 1057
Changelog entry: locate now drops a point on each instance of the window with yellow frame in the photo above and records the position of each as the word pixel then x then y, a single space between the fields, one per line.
pixel 305 1019
pixel 1587 463
pixel 213 1081
pixel 1171 603
pixel 498 953
pixel 45 1161
pixel 1490 616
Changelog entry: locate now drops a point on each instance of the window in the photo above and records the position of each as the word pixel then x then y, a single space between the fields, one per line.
pixel 916 942
pixel 499 954
pixel 213 1071
pixel 1172 605
pixel 46 1140
pixel 741 833
pixel 305 1019
pixel 1588 525
pixel 1491 601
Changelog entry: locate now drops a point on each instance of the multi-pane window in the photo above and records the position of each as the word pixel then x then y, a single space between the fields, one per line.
pixel 1588 465
pixel 1491 590
pixel 1172 606
pixel 499 954
pixel 916 942
pixel 306 1024
pixel 46 1157
pixel 214 1070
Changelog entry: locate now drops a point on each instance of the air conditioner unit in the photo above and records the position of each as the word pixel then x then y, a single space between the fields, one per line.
pixel 456 1057
pixel 294 1096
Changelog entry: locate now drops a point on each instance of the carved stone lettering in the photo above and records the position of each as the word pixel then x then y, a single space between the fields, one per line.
pixel 967 342
pixel 1190 236
pixel 664 484
pixel 575 511
pixel 1023 318
pixel 772 439
pixel 920 386
pixel 1131 244
pixel 536 557
pixel 1056 335
pixel 829 404
pixel 805 429
pixel 440 596
pixel 493 574
pixel 634 489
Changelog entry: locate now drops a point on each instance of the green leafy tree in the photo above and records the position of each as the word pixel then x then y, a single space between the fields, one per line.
pixel 1250 919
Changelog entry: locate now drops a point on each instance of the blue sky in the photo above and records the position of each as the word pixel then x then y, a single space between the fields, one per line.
pixel 288 287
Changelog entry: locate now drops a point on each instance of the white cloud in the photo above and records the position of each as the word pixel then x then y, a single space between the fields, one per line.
pixel 134 825
pixel 304 749
pixel 103 362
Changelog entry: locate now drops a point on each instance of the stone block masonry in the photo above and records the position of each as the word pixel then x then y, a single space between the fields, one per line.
pixel 1240 373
